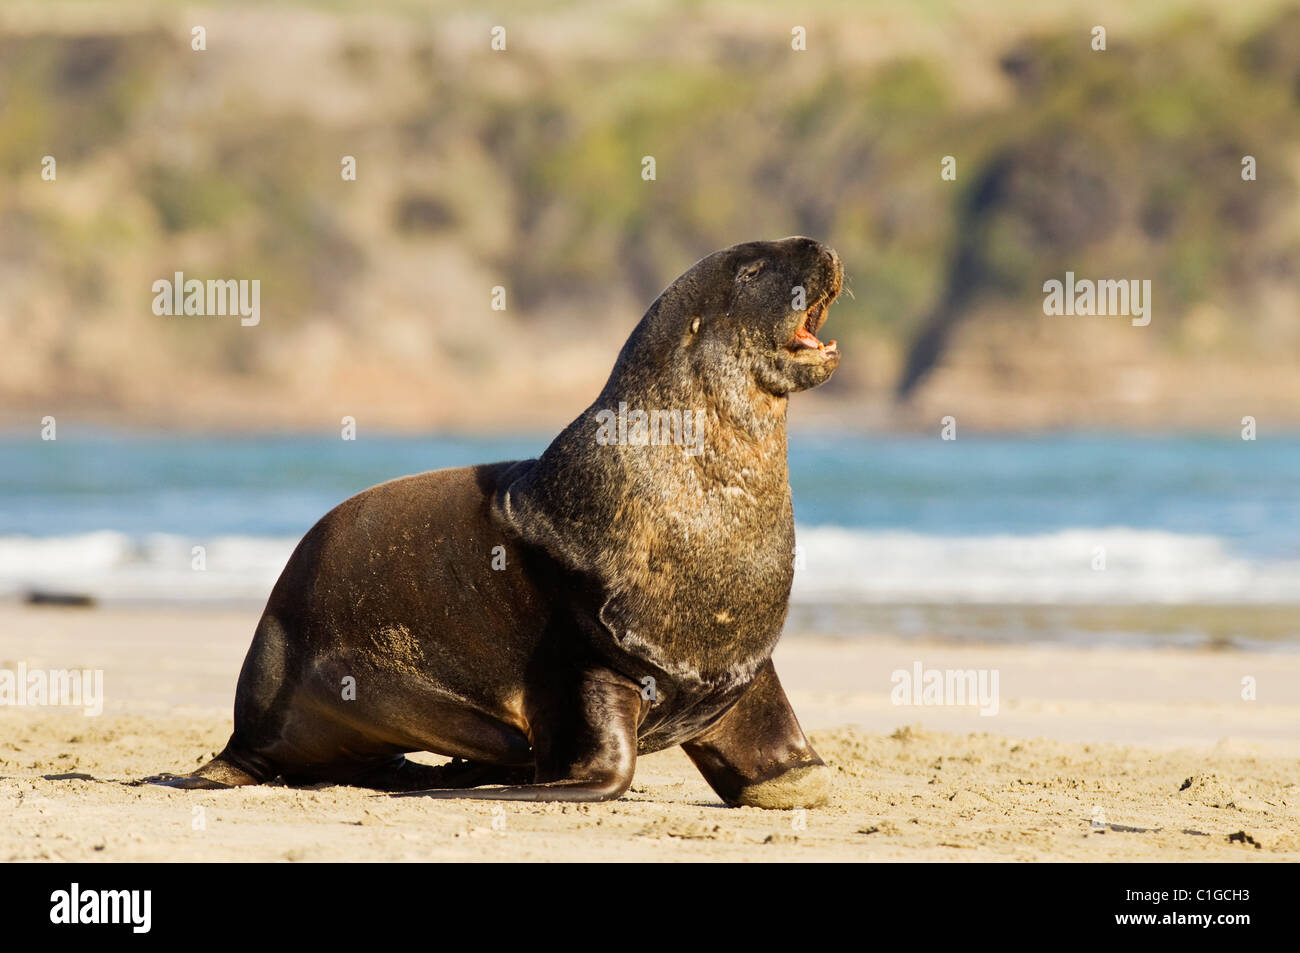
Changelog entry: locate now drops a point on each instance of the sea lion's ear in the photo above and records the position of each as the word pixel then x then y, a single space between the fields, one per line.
pixel 695 325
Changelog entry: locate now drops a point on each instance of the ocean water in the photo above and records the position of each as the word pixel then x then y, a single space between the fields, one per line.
pixel 1090 537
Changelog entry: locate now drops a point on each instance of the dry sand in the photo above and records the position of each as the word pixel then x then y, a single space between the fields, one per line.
pixel 1095 754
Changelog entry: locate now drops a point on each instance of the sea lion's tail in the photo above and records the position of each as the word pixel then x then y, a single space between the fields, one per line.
pixel 221 772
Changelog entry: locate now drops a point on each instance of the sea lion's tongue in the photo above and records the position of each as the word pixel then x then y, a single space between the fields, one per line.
pixel 806 338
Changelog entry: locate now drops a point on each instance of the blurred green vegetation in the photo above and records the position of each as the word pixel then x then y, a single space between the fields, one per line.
pixel 1124 163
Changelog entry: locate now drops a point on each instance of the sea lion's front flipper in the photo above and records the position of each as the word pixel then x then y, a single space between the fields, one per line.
pixel 584 752
pixel 758 756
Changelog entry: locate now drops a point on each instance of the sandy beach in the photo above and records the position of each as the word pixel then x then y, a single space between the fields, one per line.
pixel 1105 754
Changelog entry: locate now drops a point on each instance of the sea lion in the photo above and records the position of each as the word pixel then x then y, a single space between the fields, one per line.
pixel 545 621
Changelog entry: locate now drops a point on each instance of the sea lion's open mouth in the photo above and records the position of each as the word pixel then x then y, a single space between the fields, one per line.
pixel 805 337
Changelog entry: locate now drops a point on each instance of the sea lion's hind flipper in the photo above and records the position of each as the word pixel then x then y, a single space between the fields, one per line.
pixel 223 771
pixel 214 775
pixel 188 782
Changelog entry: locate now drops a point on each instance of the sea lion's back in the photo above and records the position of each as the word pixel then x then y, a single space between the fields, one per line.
pixel 421 554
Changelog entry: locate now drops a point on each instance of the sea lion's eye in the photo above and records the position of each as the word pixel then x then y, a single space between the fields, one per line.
pixel 750 271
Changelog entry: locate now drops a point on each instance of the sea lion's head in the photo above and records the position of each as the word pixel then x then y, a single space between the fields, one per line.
pixel 777 301
pixel 748 314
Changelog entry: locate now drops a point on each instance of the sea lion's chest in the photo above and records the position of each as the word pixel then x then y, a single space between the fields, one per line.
pixel 669 567
pixel 699 590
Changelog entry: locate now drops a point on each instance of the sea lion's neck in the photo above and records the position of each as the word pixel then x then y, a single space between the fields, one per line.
pixel 658 449
pixel 734 427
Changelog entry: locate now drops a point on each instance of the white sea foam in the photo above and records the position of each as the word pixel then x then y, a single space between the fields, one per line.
pixel 838 565
pixel 115 567
pixel 1141 566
